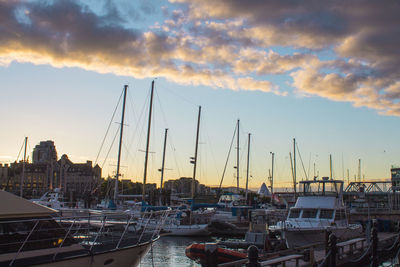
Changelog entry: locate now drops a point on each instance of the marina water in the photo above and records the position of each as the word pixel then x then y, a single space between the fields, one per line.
pixel 170 251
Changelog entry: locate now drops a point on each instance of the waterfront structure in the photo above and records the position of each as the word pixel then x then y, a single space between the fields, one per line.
pixel 46 172
pixel 183 186
pixel 44 152
pixel 395 175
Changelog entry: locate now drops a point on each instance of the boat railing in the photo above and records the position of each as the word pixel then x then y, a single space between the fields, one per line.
pixel 94 233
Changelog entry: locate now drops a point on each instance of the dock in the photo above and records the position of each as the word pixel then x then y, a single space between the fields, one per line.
pixel 355 252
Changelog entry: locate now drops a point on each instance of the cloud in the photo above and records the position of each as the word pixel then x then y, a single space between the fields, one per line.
pixel 230 44
pixel 64 33
pixel 363 37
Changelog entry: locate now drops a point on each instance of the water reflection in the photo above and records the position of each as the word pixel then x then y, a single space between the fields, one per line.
pixel 170 251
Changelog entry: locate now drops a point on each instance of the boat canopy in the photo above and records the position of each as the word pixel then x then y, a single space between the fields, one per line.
pixel 324 187
pixel 316 202
pixel 16 207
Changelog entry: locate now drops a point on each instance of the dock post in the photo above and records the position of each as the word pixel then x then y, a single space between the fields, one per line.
pixel 252 255
pixel 333 250
pixel 211 250
pixel 327 234
pixel 312 256
pixel 374 236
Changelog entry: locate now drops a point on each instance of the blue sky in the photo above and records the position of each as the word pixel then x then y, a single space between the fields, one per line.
pixel 330 85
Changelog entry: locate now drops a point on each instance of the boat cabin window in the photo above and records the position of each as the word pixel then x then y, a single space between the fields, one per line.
pixel 294 213
pixel 309 213
pixel 46 234
pixel 326 214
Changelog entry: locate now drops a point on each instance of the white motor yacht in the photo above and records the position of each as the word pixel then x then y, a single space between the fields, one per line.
pixel 33 235
pixel 318 208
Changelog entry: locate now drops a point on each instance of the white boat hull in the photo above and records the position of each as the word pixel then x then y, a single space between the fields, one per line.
pixel 301 237
pixel 179 230
pixel 187 230
pixel 124 257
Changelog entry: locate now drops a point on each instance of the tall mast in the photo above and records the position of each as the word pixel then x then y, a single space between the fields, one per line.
pixel 163 162
pixel 21 184
pixel 194 159
pixel 237 158
pixel 359 170
pixel 147 143
pixel 294 179
pixel 248 160
pixel 120 145
pixel 330 165
pixel 294 161
pixel 272 173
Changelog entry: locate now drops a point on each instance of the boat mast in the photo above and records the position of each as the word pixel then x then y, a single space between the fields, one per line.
pixel 294 162
pixel 237 158
pixel 163 162
pixel 272 173
pixel 120 145
pixel 147 143
pixel 23 170
pixel 294 179
pixel 330 166
pixel 194 159
pixel 248 160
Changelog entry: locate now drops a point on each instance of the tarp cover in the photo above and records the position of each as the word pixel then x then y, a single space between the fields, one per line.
pixel 12 206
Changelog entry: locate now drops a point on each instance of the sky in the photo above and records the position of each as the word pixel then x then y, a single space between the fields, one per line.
pixel 326 73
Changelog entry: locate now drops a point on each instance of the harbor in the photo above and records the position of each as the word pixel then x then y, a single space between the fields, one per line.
pixel 199 133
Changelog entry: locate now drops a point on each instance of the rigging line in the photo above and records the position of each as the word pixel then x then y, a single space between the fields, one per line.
pixel 211 148
pixel 162 110
pixel 182 97
pixel 141 119
pixel 302 164
pixel 227 159
pixel 108 128
pixel 136 121
pixel 171 144
pixel 108 152
pixel 138 130
pixel 19 153
pixel 173 148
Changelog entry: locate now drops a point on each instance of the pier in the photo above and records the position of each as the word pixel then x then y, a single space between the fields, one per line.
pixel 373 249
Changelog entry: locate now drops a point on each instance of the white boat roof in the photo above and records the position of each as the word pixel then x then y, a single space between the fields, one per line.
pixel 316 202
pixel 13 206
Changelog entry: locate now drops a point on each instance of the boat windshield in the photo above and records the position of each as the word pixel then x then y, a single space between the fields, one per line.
pixel 309 213
pixel 44 233
pixel 322 188
pixel 294 213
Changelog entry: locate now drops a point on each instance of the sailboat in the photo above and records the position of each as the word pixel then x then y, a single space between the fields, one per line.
pixel 33 234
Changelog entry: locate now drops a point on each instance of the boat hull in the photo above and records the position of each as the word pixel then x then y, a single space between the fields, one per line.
pixel 302 237
pixel 178 229
pixel 124 257
pixel 187 230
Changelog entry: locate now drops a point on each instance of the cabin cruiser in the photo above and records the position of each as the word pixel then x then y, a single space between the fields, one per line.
pixel 318 209
pixel 51 199
pixel 32 234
